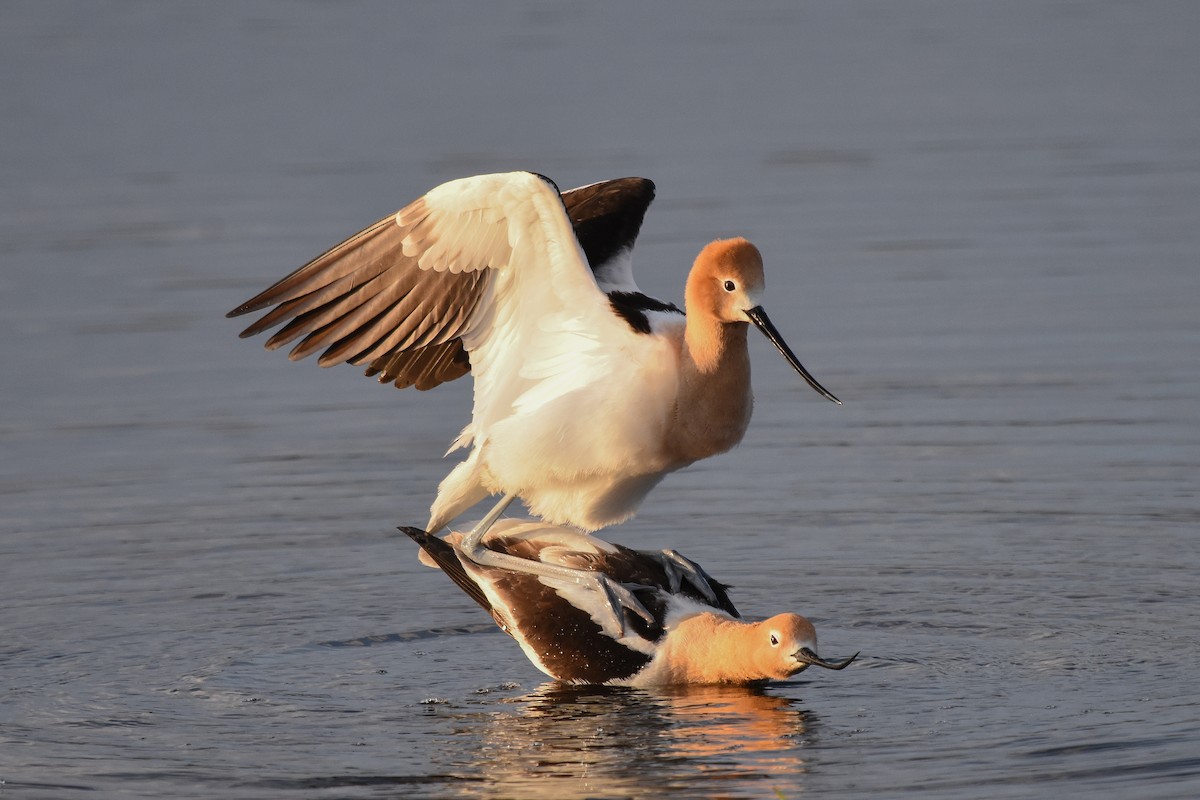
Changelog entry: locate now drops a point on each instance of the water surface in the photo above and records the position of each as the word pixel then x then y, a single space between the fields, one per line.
pixel 979 222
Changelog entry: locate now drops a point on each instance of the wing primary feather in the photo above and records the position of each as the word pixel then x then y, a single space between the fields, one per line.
pixel 445 316
pixel 449 362
pixel 319 300
pixel 285 311
pixel 353 343
pixel 322 270
pixel 322 325
pixel 302 325
pixel 345 312
pixel 419 364
pixel 369 300
pixel 429 367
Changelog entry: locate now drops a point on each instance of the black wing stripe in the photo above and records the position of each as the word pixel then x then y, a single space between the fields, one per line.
pixel 632 307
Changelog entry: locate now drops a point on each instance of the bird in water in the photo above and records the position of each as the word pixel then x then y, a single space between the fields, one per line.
pixel 694 634
pixel 587 392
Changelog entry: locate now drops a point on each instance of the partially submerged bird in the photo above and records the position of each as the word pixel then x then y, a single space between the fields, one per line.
pixel 587 392
pixel 694 634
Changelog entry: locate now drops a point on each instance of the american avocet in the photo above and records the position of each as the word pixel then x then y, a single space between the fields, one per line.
pixel 565 628
pixel 587 392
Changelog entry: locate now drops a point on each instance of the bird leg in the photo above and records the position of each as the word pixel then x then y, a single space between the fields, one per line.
pixel 617 597
pixel 473 543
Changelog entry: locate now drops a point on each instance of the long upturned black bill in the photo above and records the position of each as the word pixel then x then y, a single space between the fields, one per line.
pixel 760 319
pixel 806 656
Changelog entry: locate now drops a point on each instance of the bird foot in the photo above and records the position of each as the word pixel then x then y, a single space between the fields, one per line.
pixel 620 598
pixel 680 569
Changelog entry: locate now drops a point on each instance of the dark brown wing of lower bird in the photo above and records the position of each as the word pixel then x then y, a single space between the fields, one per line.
pixel 569 643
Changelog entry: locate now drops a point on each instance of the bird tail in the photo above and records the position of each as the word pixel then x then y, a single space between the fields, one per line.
pixel 446 557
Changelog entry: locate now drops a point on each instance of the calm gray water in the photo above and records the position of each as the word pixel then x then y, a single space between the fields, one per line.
pixel 982 228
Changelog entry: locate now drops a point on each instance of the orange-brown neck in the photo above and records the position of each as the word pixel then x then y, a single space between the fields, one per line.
pixel 708 648
pixel 712 408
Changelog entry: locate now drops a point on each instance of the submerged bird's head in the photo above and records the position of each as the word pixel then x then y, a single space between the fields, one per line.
pixel 726 285
pixel 786 644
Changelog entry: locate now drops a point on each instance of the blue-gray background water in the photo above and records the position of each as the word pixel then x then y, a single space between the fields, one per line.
pixel 981 223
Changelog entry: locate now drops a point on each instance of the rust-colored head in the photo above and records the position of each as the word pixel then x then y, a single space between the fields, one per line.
pixel 726 281
pixel 786 644
pixel 724 287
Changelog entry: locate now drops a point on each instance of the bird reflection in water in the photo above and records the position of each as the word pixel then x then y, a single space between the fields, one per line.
pixel 565 741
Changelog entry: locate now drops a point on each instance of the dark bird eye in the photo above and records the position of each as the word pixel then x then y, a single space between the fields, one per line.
pixel 774 638
pixel 730 286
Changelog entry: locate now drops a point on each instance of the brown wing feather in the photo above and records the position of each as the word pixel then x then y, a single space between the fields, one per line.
pixel 364 301
pixel 424 368
pixel 321 272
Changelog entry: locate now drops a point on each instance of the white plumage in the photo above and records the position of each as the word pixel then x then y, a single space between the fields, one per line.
pixel 586 392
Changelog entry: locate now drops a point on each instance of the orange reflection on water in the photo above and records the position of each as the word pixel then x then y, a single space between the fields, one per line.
pixel 716 720
pixel 567 742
